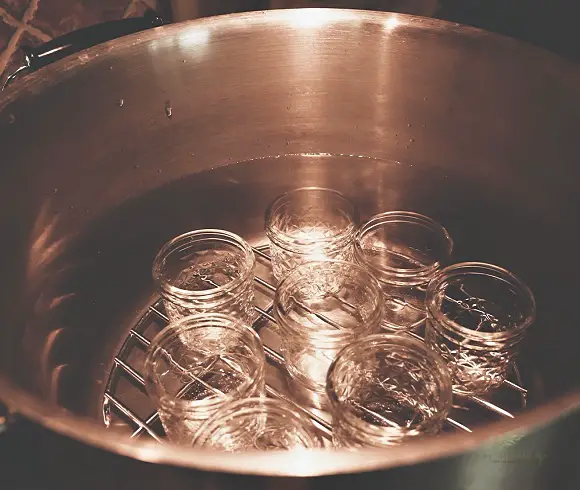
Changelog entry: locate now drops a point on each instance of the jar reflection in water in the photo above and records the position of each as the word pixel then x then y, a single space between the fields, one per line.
pixel 386 389
pixel 258 424
pixel 477 315
pixel 321 307
pixel 199 363
pixel 403 250
pixel 309 224
pixel 206 271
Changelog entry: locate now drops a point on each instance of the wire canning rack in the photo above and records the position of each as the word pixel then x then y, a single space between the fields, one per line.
pixel 126 405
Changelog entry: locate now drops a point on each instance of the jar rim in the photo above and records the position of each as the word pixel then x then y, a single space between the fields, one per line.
pixel 186 324
pixel 291 244
pixel 253 406
pixel 201 235
pixel 484 269
pixel 331 335
pixel 380 219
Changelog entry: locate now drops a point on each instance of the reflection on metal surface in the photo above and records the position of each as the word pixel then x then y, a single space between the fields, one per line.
pixel 45 273
pixel 316 18
pixel 194 38
pixel 45 245
pixel 391 23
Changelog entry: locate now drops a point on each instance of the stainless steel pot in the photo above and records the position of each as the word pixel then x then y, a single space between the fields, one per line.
pixel 107 154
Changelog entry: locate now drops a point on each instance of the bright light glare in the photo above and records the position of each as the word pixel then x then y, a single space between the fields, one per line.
pixel 194 38
pixel 310 237
pixel 391 23
pixel 313 17
pixel 304 462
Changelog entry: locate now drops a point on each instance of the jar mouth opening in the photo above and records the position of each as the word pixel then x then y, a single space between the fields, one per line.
pixel 332 334
pixel 486 270
pixel 164 283
pixel 389 342
pixel 293 244
pixel 422 272
pixel 160 346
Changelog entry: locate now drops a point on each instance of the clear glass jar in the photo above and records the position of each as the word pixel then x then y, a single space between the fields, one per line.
pixel 476 316
pixel 309 224
pixel 403 250
pixel 386 389
pixel 261 424
pixel 206 271
pixel 321 307
pixel 197 365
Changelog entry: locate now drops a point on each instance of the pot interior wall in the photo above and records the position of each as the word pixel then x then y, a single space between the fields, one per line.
pixel 108 155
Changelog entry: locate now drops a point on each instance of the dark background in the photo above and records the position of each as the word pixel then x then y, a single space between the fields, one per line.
pixel 552 24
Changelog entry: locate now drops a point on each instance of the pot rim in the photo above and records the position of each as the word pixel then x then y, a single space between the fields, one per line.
pixel 317 462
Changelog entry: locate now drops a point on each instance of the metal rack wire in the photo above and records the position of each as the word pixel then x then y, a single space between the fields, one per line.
pixel 126 404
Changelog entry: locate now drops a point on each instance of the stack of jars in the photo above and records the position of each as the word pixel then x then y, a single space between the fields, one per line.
pixel 349 302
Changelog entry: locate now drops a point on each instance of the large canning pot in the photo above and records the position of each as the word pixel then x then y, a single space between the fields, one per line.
pixel 107 154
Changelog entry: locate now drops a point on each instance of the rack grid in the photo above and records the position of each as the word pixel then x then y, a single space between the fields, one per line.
pixel 126 405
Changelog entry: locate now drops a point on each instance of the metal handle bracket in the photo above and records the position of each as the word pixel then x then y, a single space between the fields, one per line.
pixel 56 49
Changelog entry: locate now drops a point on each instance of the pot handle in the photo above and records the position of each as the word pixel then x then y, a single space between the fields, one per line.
pixel 35 58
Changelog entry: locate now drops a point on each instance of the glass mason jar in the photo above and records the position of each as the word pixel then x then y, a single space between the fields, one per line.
pixel 320 307
pixel 262 424
pixel 309 224
pixel 198 364
pixel 476 316
pixel 403 250
pixel 386 389
pixel 206 271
